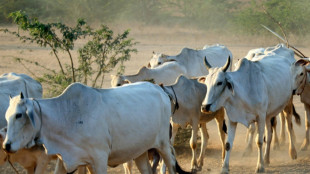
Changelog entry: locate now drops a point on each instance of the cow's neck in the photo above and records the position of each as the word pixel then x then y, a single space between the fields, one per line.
pixel 138 77
pixel 53 133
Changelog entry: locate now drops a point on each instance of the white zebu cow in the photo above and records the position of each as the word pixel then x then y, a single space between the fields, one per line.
pixel 95 127
pixel 164 74
pixel 286 114
pixel 188 95
pixel 192 61
pixel 255 92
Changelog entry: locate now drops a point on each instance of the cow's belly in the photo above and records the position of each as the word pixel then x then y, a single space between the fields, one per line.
pixel 130 148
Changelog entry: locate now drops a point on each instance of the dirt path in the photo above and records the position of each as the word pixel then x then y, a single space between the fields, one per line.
pixel 163 40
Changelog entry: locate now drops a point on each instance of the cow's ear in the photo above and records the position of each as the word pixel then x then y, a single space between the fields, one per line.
pixel 230 86
pixel 307 67
pixel 201 79
pixel 126 81
pixel 29 113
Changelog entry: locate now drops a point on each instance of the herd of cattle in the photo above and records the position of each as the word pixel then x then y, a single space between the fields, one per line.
pixel 93 128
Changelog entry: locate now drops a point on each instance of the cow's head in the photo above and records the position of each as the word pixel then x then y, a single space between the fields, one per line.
pixel 118 80
pixel 22 127
pixel 220 87
pixel 299 71
pixel 158 59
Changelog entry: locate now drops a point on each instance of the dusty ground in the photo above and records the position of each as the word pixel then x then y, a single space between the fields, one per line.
pixel 171 41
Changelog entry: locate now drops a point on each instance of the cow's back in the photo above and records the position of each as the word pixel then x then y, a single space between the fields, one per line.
pixel 193 59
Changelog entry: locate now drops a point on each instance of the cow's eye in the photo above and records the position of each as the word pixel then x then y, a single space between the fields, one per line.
pixel 301 74
pixel 18 116
pixel 159 63
pixel 219 83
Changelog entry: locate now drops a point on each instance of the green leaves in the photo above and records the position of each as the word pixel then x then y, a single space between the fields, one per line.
pixel 104 52
pixel 100 55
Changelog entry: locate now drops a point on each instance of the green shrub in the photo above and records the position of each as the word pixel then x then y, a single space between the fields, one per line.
pixel 100 55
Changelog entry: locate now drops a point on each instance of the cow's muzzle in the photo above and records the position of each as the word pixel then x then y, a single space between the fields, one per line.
pixel 205 108
pixel 7 147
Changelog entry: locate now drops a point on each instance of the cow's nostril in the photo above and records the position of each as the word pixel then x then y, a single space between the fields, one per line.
pixel 7 147
pixel 208 107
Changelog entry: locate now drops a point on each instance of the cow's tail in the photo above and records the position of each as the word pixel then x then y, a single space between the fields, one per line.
pixel 177 166
pixel 224 128
pixel 297 116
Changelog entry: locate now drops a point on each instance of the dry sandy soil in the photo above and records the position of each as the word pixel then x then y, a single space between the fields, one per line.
pixel 171 41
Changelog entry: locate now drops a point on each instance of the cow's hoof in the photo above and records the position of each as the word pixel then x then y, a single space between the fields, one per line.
pixel 260 170
pixel 225 171
pixel 200 163
pixel 293 154
pixel 304 146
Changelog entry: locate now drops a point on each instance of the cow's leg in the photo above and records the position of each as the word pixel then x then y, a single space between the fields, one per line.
pixel 268 142
pixel 288 116
pixel 229 144
pixel 128 167
pixel 100 164
pixel 60 169
pixel 260 139
pixel 204 142
pixel 82 170
pixel 155 161
pixel 220 120
pixel 143 164
pixel 42 163
pixel 166 153
pixel 30 170
pixel 175 128
pixel 305 144
pixel 249 139
pixel 276 144
pixel 193 144
pixel 282 130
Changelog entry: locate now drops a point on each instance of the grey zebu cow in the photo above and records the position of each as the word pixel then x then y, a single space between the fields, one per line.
pixel 191 60
pixel 304 92
pixel 188 95
pixel 255 92
pixel 95 127
pixel 286 114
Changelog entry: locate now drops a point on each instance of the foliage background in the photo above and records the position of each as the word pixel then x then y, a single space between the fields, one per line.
pixel 242 16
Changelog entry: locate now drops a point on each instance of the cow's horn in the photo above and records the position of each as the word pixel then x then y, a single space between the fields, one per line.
pixel 226 65
pixel 208 66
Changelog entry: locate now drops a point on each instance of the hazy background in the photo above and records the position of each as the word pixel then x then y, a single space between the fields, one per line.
pixel 242 17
